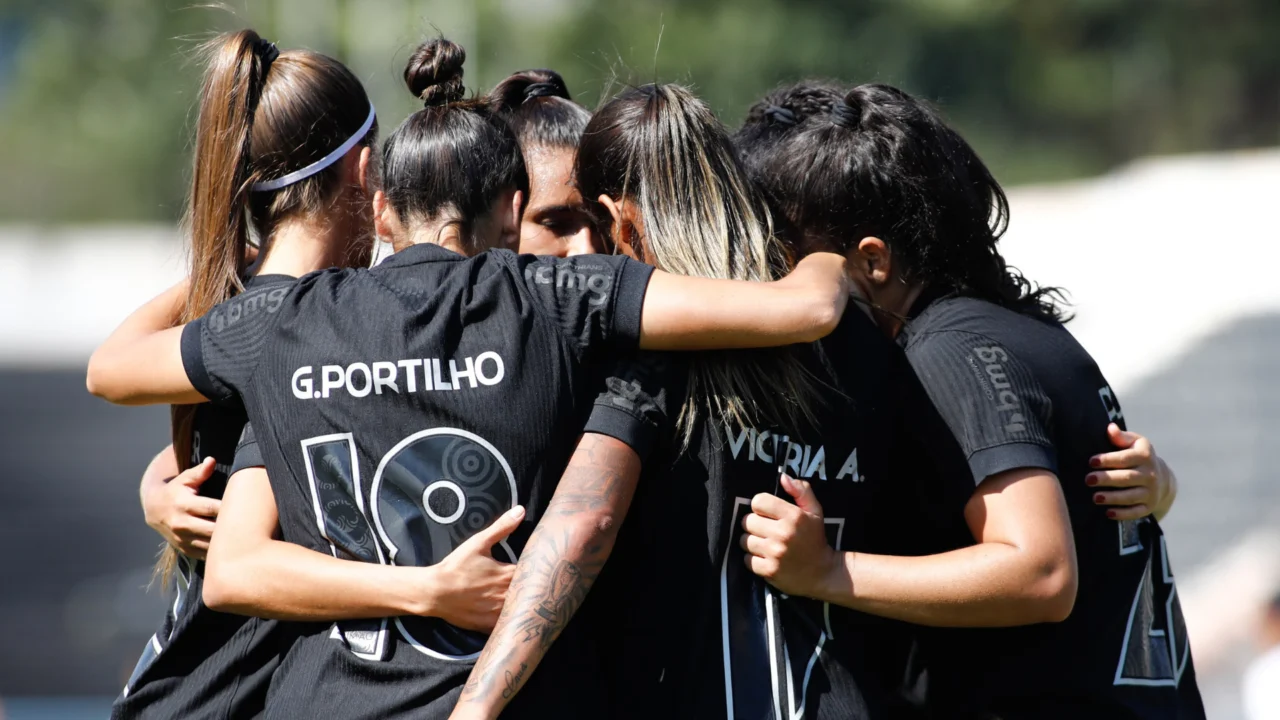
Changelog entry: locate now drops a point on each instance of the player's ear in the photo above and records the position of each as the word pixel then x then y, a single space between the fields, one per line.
pixel 625 229
pixel 385 222
pixel 364 178
pixel 511 221
pixel 872 259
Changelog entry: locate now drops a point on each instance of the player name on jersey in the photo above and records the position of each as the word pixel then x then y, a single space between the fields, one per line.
pixel 801 461
pixel 360 379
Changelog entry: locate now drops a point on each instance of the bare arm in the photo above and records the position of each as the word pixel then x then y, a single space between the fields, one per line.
pixel 687 313
pixel 141 362
pixel 249 572
pixel 1021 571
pixel 560 563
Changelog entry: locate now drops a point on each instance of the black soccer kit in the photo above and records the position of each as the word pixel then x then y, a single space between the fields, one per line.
pixel 203 663
pixel 401 409
pixel 1017 392
pixel 704 637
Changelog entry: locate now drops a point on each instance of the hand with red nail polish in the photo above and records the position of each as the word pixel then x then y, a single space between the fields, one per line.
pixel 1136 482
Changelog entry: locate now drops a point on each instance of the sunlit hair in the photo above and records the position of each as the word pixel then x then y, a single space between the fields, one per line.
pixel 848 163
pixel 261 116
pixel 661 148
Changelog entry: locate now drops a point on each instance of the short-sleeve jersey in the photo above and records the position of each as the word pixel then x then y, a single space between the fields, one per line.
pixel 704 637
pixel 1018 392
pixel 401 409
pixel 203 663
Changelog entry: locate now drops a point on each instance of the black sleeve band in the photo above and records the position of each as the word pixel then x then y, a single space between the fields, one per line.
pixel 633 282
pixel 193 360
pixel 248 455
pixel 1002 458
pixel 608 419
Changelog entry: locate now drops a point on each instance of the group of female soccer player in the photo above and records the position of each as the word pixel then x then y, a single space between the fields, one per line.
pixel 601 437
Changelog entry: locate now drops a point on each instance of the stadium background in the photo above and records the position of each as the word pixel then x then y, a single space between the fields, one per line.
pixel 1140 141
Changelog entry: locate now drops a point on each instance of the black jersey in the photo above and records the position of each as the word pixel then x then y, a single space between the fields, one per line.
pixel 399 410
pixel 704 637
pixel 203 663
pixel 1017 392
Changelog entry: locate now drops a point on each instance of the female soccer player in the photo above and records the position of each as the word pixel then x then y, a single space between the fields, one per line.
pixel 876 174
pixel 397 406
pixel 263 113
pixel 548 125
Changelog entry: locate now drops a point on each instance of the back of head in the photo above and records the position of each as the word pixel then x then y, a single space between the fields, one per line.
pixel 265 116
pixel 537 105
pixel 452 159
pixel 661 148
pixel 874 161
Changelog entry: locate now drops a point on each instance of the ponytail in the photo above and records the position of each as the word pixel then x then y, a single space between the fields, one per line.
pixel 263 115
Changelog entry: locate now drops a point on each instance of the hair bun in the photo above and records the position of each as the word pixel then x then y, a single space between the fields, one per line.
pixel 434 72
pixel 525 85
pixel 847 111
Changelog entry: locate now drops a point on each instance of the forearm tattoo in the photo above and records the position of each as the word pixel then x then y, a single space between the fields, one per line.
pixel 561 561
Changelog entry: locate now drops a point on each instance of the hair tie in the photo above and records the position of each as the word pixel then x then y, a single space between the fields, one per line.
pixel 780 115
pixel 844 115
pixel 267 52
pixel 540 89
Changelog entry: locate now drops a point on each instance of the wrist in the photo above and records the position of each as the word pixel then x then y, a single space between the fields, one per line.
pixel 422 593
pixel 836 585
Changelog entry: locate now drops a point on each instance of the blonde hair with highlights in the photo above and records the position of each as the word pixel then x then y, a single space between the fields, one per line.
pixel 660 147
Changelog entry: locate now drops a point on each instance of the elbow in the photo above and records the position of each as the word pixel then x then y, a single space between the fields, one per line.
pixel 223 589
pixel 823 312
pixel 98 380
pixel 1053 591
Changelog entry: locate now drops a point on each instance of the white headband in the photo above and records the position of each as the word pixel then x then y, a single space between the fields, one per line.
pixel 320 164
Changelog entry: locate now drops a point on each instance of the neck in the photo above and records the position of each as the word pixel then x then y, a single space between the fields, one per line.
pixel 303 245
pixel 901 308
pixel 446 235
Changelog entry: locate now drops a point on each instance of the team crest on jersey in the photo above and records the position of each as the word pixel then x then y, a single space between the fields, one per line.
pixel 1108 398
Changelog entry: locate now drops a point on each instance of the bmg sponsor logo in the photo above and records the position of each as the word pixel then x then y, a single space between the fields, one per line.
pixel 1000 390
pixel 244 305
pixel 579 278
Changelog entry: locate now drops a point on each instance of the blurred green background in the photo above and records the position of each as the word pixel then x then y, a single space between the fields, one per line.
pixel 96 96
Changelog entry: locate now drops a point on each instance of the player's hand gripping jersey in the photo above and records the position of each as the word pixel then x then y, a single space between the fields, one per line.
pixel 702 635
pixel 401 409
pixel 1017 392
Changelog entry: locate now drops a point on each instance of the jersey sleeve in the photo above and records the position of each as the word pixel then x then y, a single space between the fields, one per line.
pixel 990 400
pixel 220 351
pixel 594 299
pixel 247 453
pixel 634 405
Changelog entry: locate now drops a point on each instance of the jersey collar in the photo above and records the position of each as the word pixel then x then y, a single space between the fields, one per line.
pixel 418 254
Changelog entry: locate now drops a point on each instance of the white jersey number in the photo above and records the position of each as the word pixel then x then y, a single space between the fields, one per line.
pixel 430 493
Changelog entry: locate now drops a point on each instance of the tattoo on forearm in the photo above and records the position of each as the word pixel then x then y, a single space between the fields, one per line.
pixel 560 563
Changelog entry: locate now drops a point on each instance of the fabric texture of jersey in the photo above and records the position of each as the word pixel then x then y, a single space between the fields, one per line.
pixel 203 663
pixel 399 410
pixel 1017 392
pixel 704 637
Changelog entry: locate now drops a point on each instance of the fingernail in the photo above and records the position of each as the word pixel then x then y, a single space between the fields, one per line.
pixel 1098 498
pixel 515 512
pixel 1094 462
pixel 1111 514
pixel 1091 480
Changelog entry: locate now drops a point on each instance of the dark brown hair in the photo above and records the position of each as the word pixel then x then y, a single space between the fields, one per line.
pixel 847 163
pixel 454 156
pixel 263 114
pixel 537 105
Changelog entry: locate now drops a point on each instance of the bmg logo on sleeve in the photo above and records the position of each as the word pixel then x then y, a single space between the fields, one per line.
pixel 1000 390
